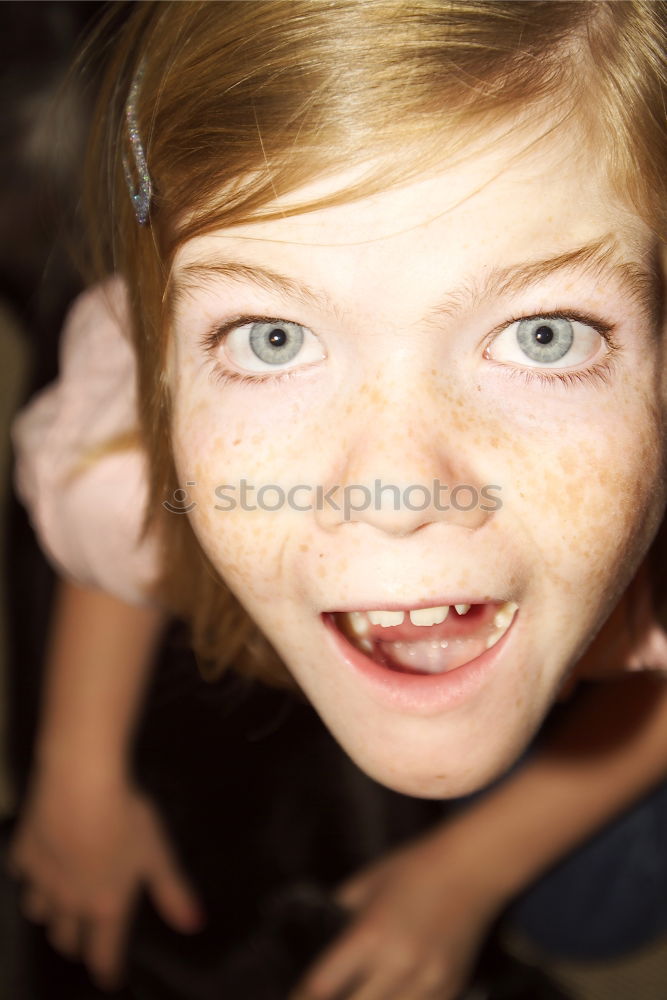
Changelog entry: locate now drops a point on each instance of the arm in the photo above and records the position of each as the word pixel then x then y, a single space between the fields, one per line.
pixel 423 912
pixel 607 749
pixel 88 839
pixel 99 658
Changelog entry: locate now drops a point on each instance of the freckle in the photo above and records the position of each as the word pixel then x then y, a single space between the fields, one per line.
pixel 322 571
pixel 304 548
pixel 238 441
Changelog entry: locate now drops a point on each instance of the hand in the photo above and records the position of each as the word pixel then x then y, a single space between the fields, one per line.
pixel 84 847
pixel 420 920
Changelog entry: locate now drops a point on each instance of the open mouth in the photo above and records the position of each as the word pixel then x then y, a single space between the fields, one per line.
pixel 431 640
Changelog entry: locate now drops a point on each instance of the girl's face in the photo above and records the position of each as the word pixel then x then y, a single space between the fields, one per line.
pixel 428 398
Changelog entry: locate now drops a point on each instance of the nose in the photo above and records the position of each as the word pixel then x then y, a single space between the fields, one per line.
pixel 402 463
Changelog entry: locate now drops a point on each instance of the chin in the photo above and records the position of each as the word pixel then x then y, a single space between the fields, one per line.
pixel 421 772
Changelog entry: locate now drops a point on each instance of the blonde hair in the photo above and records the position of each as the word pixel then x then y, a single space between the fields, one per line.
pixel 243 102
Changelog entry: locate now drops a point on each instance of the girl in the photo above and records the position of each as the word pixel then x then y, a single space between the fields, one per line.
pixel 395 300
pixel 286 191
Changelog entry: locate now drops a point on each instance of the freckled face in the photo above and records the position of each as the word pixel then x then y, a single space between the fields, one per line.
pixel 379 340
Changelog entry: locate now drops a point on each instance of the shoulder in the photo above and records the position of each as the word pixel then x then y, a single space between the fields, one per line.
pixel 99 317
pixel 86 497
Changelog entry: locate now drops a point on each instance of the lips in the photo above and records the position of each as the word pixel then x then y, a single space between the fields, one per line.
pixel 438 648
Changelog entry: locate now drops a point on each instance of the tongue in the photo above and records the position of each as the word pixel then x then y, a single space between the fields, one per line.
pixel 432 656
pixel 433 649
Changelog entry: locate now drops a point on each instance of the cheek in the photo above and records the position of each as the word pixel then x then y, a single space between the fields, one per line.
pixel 589 497
pixel 219 448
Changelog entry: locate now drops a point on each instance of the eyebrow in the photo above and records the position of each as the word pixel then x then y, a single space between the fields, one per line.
pixel 195 275
pixel 643 283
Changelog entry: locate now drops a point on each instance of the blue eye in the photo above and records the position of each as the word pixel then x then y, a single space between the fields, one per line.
pixel 276 343
pixel 265 345
pixel 547 341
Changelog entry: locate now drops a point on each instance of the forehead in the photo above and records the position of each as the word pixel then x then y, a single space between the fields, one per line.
pixel 523 196
pixel 550 163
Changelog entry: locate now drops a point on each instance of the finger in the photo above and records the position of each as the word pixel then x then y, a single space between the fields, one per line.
pixel 353 893
pixel 174 898
pixel 35 905
pixel 341 966
pixel 65 934
pixel 21 860
pixel 103 948
pixel 12 864
pixel 389 982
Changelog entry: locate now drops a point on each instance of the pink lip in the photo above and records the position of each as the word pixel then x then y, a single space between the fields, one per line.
pixel 417 694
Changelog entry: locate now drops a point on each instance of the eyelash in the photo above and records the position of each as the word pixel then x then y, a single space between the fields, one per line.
pixel 599 372
pixel 222 376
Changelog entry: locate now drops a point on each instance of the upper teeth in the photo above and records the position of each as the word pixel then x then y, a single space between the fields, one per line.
pixel 420 616
pixel 429 616
pixel 359 623
pixel 386 618
pixel 504 615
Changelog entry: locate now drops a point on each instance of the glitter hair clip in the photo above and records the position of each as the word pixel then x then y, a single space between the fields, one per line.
pixel 140 195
